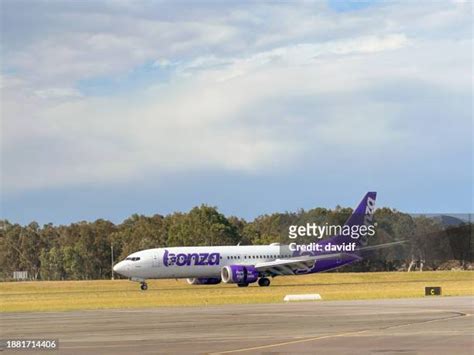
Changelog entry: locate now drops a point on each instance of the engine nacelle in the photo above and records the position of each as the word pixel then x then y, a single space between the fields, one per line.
pixel 239 274
pixel 204 281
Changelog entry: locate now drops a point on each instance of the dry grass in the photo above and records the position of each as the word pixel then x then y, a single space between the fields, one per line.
pixel 75 295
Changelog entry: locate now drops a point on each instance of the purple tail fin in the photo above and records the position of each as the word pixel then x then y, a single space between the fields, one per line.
pixel 362 216
pixel 363 213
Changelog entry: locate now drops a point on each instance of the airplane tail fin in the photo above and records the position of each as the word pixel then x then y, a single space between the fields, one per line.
pixel 357 227
pixel 363 214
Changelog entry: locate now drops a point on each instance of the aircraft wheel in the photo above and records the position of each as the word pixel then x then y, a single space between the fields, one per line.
pixel 144 286
pixel 242 285
pixel 264 282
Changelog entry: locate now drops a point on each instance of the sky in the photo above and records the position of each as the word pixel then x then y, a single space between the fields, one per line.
pixel 110 108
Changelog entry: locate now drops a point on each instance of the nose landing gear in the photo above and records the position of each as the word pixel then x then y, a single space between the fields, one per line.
pixel 143 284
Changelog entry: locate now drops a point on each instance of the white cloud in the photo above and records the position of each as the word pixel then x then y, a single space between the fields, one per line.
pixel 295 55
pixel 248 90
pixel 57 93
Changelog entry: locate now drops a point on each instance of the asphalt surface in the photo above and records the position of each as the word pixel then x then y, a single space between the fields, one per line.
pixel 432 325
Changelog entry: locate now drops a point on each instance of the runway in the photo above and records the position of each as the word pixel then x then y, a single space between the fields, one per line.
pixel 403 326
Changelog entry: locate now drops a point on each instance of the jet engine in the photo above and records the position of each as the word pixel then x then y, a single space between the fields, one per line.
pixel 239 274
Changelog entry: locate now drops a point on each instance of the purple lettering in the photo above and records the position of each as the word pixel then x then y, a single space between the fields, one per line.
pixel 214 259
pixel 165 258
pixel 195 259
pixel 181 259
pixel 190 258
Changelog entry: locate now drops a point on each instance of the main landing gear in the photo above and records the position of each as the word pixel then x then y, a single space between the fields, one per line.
pixel 263 282
pixel 143 286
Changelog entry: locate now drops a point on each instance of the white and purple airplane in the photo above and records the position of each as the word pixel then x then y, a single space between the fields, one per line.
pixel 243 265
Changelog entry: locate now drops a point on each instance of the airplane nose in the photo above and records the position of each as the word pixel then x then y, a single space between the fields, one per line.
pixel 119 268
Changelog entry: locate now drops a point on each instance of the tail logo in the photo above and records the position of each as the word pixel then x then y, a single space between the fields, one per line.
pixel 369 211
pixel 368 218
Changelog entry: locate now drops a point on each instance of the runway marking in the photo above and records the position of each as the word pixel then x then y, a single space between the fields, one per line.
pixel 299 341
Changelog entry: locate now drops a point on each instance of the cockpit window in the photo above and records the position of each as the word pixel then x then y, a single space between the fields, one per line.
pixel 135 258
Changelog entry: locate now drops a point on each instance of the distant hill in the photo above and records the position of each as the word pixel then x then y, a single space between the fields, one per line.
pixel 445 220
pixel 450 221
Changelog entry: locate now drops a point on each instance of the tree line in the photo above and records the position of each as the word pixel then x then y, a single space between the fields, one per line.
pixel 83 250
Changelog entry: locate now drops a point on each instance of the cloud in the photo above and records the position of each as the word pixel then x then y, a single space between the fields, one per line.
pixel 250 89
pixel 55 93
pixel 302 54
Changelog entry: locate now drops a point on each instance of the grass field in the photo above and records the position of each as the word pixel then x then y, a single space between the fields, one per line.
pixel 75 295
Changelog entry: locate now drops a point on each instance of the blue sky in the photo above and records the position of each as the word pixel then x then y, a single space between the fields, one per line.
pixel 115 108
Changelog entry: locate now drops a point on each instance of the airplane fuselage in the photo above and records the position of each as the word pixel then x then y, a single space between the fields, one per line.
pixel 196 262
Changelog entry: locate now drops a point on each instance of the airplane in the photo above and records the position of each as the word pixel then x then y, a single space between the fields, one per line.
pixel 243 265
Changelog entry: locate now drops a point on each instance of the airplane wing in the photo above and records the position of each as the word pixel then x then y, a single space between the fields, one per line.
pixel 290 266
